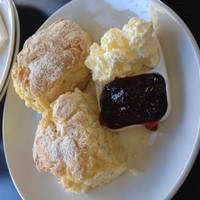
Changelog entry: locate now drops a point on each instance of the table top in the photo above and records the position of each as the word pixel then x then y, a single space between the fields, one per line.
pixel 35 13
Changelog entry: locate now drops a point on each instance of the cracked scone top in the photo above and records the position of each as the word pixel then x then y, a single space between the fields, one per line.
pixel 51 63
pixel 71 144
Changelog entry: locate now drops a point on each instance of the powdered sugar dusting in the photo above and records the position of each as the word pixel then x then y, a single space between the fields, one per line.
pixel 71 156
pixel 45 71
pixel 57 151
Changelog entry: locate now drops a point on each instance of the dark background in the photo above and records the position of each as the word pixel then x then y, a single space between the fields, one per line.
pixel 33 13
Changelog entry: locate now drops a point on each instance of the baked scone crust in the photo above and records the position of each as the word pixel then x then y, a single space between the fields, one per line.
pixel 71 144
pixel 51 63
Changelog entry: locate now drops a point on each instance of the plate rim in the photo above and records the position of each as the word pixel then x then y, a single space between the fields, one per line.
pixel 16 50
pixel 188 165
pixel 11 52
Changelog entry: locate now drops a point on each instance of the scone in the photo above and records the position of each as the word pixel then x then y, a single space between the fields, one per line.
pixel 71 144
pixel 51 63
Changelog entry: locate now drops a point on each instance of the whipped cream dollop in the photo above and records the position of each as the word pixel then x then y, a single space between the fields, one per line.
pixel 124 51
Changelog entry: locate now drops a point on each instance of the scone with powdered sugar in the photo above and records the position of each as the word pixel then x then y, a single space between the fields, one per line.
pixel 51 63
pixel 71 144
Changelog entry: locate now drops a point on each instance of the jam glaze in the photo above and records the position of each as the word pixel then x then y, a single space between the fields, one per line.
pixel 140 99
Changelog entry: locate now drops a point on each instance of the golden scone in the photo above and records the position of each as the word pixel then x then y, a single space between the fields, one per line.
pixel 71 144
pixel 51 63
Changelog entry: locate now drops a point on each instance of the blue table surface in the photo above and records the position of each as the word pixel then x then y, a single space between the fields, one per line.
pixel 35 13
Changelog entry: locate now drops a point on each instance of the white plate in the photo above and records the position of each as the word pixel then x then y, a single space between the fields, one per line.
pixel 6 55
pixel 168 161
pixel 16 49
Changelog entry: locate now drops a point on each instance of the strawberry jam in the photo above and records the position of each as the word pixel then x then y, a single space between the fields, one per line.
pixel 140 99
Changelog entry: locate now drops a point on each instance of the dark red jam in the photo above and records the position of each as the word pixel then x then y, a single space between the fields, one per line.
pixel 140 99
